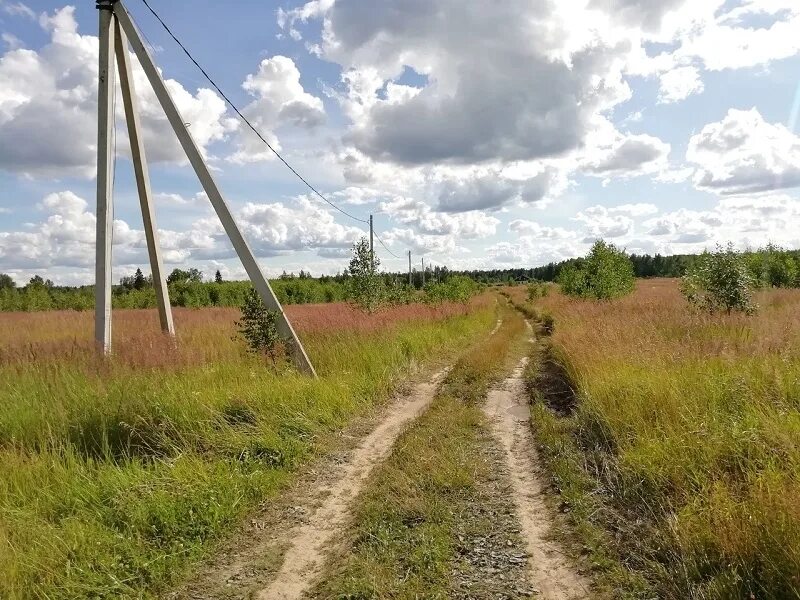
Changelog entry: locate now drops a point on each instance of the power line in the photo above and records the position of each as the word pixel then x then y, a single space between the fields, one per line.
pixel 384 245
pixel 245 120
pixel 252 127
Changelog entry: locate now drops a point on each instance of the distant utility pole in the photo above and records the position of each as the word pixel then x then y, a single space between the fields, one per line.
pixel 410 283
pixel 371 249
pixel 423 271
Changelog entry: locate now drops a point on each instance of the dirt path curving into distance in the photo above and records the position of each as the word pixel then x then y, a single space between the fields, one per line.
pixel 549 569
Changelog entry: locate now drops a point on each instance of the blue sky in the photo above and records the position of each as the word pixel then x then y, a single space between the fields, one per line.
pixel 479 134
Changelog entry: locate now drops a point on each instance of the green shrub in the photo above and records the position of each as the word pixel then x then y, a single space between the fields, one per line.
pixel 456 289
pixel 365 284
pixel 605 273
pixel 719 280
pixel 537 289
pixel 259 327
pixel 772 266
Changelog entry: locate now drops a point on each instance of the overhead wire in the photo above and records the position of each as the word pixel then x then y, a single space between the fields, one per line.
pixel 245 119
pixel 384 245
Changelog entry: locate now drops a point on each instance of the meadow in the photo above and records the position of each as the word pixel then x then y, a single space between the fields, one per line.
pixel 678 458
pixel 117 475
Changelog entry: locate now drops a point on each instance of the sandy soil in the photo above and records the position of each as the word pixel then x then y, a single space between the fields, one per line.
pixel 306 553
pixel 550 571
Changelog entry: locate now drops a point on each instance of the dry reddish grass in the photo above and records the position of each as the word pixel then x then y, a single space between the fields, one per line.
pixel 204 335
pixel 695 416
pixel 657 320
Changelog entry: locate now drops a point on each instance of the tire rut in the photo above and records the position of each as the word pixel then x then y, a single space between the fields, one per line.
pixel 306 554
pixel 549 569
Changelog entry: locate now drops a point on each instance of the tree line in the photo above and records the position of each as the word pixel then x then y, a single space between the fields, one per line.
pixel 770 266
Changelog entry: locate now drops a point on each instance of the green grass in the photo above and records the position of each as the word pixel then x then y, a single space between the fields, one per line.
pixel 406 519
pixel 113 484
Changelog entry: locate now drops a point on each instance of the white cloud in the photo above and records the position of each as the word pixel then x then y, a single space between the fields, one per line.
pixel 48 107
pixel 745 154
pixel 65 237
pixel 601 222
pixel 729 42
pixel 518 96
pixel 526 228
pixel 279 101
pixel 628 156
pixel 443 246
pixel 468 225
pixel 489 191
pixel 746 221
pixel 18 9
pixel 678 84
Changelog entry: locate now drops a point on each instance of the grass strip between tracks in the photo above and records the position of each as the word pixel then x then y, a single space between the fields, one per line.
pixel 407 519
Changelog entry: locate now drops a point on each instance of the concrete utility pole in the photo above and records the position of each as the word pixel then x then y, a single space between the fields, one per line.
pixel 371 248
pixel 105 207
pixel 111 11
pixel 410 282
pixel 143 180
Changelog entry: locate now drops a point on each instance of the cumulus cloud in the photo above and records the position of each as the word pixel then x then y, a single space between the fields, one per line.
pixel 750 221
pixel 48 106
pixel 733 41
pixel 65 236
pixel 601 222
pixel 745 154
pixel 628 155
pixel 678 84
pixel 423 244
pixel 469 225
pixel 644 14
pixel 526 228
pixel 487 97
pixel 279 100
pixel 490 191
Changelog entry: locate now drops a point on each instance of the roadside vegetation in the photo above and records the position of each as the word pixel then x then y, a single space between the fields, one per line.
pixel 409 522
pixel 362 283
pixel 605 273
pixel 673 437
pixel 117 475
pixel 721 281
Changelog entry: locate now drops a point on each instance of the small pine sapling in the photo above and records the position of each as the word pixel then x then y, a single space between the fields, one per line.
pixel 259 328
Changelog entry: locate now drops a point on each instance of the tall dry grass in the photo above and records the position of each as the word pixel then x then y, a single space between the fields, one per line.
pixel 689 423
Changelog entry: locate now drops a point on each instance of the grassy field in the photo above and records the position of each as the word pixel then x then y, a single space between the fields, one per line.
pixel 409 516
pixel 116 475
pixel 681 461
